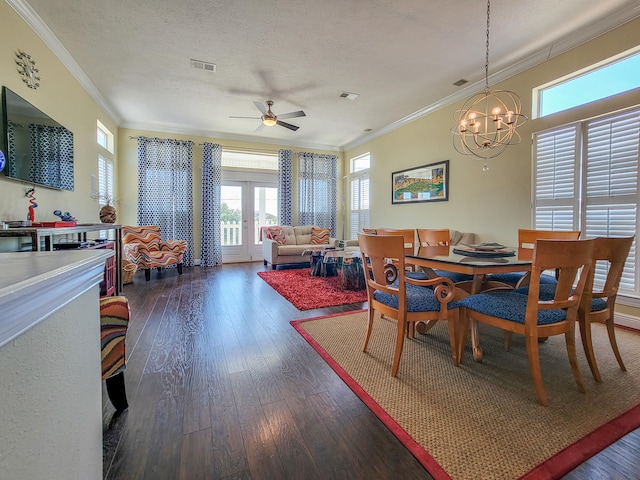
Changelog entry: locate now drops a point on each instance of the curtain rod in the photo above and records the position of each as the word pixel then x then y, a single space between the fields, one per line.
pixel 226 147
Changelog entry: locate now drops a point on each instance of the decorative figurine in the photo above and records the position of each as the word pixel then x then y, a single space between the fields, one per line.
pixel 65 217
pixel 31 193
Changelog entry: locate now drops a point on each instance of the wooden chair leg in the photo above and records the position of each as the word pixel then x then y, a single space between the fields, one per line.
pixel 402 327
pixel 117 392
pixel 147 274
pixel 587 345
pixel 533 355
pixel 570 340
pixel 614 344
pixel 369 328
pixel 424 327
pixel 507 339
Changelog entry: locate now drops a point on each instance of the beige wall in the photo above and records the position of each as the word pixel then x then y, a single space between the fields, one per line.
pixel 496 203
pixel 128 174
pixel 61 97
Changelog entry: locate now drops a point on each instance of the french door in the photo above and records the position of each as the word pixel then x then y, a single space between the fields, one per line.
pixel 246 206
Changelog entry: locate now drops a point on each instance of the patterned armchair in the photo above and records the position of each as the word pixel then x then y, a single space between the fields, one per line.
pixel 114 322
pixel 142 245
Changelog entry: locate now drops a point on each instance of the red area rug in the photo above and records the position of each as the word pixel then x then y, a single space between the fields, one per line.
pixel 307 293
pixel 465 423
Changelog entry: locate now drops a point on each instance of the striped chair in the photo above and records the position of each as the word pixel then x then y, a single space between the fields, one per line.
pixel 142 245
pixel 114 321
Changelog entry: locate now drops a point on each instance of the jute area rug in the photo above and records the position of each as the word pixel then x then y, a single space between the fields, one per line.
pixel 481 420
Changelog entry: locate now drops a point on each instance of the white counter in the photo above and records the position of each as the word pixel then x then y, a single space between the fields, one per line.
pixel 50 372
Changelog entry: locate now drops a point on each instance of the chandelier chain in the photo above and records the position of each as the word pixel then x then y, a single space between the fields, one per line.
pixel 486 63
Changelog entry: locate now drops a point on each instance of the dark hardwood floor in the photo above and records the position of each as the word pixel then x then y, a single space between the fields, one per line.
pixel 220 386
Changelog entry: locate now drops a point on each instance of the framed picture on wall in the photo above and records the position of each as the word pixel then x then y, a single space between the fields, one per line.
pixel 426 183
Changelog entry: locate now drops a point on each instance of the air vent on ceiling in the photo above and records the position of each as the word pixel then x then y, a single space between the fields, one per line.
pixel 349 96
pixel 368 130
pixel 460 82
pixel 206 66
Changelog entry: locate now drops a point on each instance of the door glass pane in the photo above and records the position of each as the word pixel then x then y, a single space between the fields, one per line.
pixel 265 209
pixel 231 215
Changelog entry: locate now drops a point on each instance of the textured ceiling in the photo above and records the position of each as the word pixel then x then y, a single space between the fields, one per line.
pixel 401 57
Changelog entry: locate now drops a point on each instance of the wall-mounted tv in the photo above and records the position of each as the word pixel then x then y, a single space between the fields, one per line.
pixel 38 149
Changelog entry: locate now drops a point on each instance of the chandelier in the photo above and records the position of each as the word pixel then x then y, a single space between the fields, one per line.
pixel 487 122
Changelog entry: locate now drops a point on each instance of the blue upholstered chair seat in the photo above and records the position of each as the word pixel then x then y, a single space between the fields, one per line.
pixel 509 306
pixel 419 299
pixel 548 292
pixel 514 278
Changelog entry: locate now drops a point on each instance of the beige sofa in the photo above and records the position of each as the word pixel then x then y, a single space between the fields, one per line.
pixel 297 240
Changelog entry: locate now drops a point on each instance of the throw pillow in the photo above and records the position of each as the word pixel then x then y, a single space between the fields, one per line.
pixel 276 234
pixel 320 236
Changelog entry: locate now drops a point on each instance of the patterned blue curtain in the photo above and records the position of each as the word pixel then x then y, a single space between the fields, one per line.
pixel 285 187
pixel 164 189
pixel 12 164
pixel 211 253
pixel 53 149
pixel 317 195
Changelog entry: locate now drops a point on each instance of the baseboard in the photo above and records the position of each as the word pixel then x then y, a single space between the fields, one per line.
pixel 628 321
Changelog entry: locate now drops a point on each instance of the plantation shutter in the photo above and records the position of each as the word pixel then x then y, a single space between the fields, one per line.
pixel 612 146
pixel 556 179
pixel 105 181
pixel 359 205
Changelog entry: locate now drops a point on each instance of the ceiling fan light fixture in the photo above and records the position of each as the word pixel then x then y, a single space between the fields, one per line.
pixel 269 121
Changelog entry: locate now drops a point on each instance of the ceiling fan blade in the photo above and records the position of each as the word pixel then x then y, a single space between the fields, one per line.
pixel 260 127
pixel 253 118
pixel 260 107
pixel 299 113
pixel 287 125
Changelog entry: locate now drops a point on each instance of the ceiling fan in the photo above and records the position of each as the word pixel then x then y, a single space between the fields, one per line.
pixel 269 119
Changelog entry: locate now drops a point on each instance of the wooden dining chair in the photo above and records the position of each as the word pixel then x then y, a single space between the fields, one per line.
pixel 533 317
pixel 393 294
pixel 526 241
pixel 409 236
pixel 598 304
pixel 432 242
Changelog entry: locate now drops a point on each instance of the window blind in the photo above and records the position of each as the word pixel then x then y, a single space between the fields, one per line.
pixel 359 205
pixel 586 178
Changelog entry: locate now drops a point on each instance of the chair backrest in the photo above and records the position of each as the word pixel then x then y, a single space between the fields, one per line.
pixel 572 260
pixel 377 253
pixel 408 234
pixel 148 236
pixel 432 242
pixel 615 252
pixel 527 240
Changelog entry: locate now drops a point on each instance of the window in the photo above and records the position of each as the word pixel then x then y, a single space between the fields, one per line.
pixel 105 181
pixel 359 194
pixel 359 163
pixel 611 77
pixel 317 191
pixel 104 137
pixel 586 178
pixel 250 160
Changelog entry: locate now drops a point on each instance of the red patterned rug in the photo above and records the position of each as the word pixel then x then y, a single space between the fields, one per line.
pixel 307 293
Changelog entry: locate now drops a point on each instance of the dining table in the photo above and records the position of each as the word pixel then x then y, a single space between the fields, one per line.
pixel 476 262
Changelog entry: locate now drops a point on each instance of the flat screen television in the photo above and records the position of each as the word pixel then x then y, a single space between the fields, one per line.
pixel 38 150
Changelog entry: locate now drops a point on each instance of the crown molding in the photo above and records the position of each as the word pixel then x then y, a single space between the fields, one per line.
pixel 600 27
pixel 27 13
